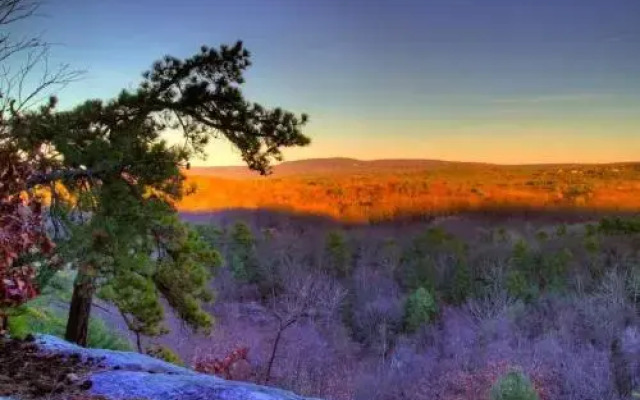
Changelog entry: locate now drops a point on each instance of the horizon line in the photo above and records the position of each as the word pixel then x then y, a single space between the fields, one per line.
pixel 558 163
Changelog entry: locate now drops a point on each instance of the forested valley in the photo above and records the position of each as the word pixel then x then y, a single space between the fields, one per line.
pixel 447 282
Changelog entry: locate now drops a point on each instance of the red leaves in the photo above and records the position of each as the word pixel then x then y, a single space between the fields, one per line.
pixel 22 231
pixel 222 367
pixel 18 286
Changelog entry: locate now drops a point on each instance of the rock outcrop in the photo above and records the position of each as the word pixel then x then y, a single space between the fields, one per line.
pixel 128 375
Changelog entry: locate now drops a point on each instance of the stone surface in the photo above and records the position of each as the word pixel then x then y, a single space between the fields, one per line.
pixel 127 385
pixel 121 359
pixel 136 376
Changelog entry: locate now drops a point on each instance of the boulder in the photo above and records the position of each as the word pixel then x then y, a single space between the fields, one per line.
pixel 128 375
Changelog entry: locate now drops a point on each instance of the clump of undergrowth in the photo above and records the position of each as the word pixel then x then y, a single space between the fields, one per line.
pixel 513 386
pixel 420 308
pixel 164 353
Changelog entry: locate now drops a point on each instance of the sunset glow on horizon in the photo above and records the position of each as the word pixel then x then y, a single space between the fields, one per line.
pixel 498 81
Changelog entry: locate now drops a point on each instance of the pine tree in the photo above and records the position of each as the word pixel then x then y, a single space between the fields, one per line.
pixel 420 308
pixel 337 255
pixel 180 276
pixel 122 179
pixel 241 255
pixel 462 284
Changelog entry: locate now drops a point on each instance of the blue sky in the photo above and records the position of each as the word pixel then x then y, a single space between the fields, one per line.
pixel 507 81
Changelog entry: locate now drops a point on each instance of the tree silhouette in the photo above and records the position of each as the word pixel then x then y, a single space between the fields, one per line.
pixel 111 159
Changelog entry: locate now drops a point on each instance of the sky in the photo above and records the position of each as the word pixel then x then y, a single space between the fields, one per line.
pixel 504 81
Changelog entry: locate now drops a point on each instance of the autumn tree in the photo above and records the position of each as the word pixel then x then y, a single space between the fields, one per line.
pixel 123 177
pixel 26 78
pixel 24 243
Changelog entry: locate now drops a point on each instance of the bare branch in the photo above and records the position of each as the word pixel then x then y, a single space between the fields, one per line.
pixel 16 10
pixel 22 88
pixel 9 48
pixel 105 309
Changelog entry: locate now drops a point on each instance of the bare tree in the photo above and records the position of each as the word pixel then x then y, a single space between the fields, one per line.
pixel 26 76
pixel 377 309
pixel 306 295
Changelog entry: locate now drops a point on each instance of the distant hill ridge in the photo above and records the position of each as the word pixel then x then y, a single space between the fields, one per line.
pixel 352 165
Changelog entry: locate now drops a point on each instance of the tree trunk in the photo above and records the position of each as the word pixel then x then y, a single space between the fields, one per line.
pixel 80 310
pixel 281 329
pixel 621 371
pixel 4 323
pixel 273 355
pixel 139 343
pixel 132 328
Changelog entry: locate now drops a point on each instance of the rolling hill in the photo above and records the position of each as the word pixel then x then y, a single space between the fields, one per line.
pixel 329 166
pixel 355 190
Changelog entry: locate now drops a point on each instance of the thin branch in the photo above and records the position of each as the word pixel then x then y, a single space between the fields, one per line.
pixel 36 54
pixel 8 48
pixel 16 10
pixel 98 306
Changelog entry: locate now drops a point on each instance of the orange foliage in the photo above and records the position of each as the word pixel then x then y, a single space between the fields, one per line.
pixel 388 194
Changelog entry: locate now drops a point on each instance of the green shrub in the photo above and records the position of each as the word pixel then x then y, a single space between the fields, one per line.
pixel 553 269
pixel 527 273
pixel 591 230
pixel 519 286
pixel 41 316
pixel 102 337
pixel 513 386
pixel 337 255
pixel 522 258
pixel 542 236
pixel 238 268
pixel 420 308
pixel 617 225
pixel 29 319
pixel 417 273
pixel 593 249
pixel 241 256
pixel 211 234
pixel 35 318
pixel 437 237
pixel 461 287
pixel 419 261
pixel 164 353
